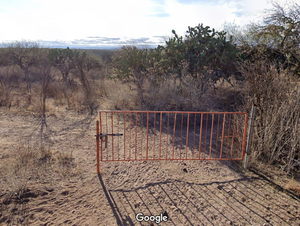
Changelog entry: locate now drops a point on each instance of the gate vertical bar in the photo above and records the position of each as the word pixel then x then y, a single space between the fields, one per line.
pixel 129 136
pixel 248 151
pixel 181 134
pixel 112 137
pixel 194 136
pixel 154 135
pixel 187 136
pixel 118 137
pixel 223 128
pixel 217 136
pixel 136 116
pixel 160 135
pixel 106 137
pixel 100 114
pixel 211 134
pixel 167 136
pixel 174 135
pixel 200 136
pixel 142 124
pixel 147 135
pixel 228 135
pixel 233 134
pixel 205 134
pixel 124 136
pixel 98 140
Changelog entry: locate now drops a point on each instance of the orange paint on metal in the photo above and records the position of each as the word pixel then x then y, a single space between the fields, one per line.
pixel 217 136
pixel 211 134
pixel 147 135
pixel 142 135
pixel 112 137
pixel 180 112
pixel 129 135
pixel 234 118
pixel 228 135
pixel 187 136
pixel 135 135
pixel 160 134
pixel 200 138
pixel 205 133
pixel 233 126
pixel 194 136
pixel 124 135
pixel 97 140
pixel 181 133
pixel 118 137
pixel 100 133
pixel 106 133
pixel 222 135
pixel 167 137
pixel 174 134
pixel 154 136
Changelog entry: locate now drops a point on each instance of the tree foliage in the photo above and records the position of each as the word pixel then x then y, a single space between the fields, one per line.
pixel 131 64
pixel 63 60
pixel 277 38
pixel 203 54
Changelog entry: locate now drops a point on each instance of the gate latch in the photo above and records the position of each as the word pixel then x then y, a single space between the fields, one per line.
pixel 103 137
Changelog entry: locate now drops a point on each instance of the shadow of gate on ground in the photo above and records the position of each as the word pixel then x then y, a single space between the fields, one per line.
pixel 244 201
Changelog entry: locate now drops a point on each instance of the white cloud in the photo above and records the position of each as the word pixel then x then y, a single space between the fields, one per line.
pixel 72 19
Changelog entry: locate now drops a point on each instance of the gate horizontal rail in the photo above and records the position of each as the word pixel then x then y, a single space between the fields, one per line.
pixel 170 135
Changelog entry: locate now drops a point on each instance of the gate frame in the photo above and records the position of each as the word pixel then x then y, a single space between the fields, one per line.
pixel 246 139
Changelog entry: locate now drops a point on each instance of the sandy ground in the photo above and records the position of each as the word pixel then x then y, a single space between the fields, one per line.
pixel 187 192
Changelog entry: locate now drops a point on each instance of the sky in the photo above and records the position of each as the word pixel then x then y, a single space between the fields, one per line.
pixel 114 23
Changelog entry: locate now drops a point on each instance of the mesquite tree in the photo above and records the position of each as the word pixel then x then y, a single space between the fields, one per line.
pixel 24 54
pixel 131 64
pixel 277 38
pixel 76 63
pixel 83 64
pixel 63 60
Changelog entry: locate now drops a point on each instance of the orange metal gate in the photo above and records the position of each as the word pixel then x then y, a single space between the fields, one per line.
pixel 170 135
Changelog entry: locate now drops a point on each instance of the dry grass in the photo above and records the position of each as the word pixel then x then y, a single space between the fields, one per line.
pixel 118 95
pixel 28 164
pixel 276 126
pixel 20 170
pixel 66 164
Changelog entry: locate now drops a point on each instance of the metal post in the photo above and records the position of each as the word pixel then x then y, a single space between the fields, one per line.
pixel 248 150
pixel 97 140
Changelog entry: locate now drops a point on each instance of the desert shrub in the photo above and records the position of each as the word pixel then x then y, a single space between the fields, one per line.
pixel 9 81
pixel 5 94
pixel 167 96
pixel 66 164
pixel 29 164
pixel 21 170
pixel 276 127
pixel 118 95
